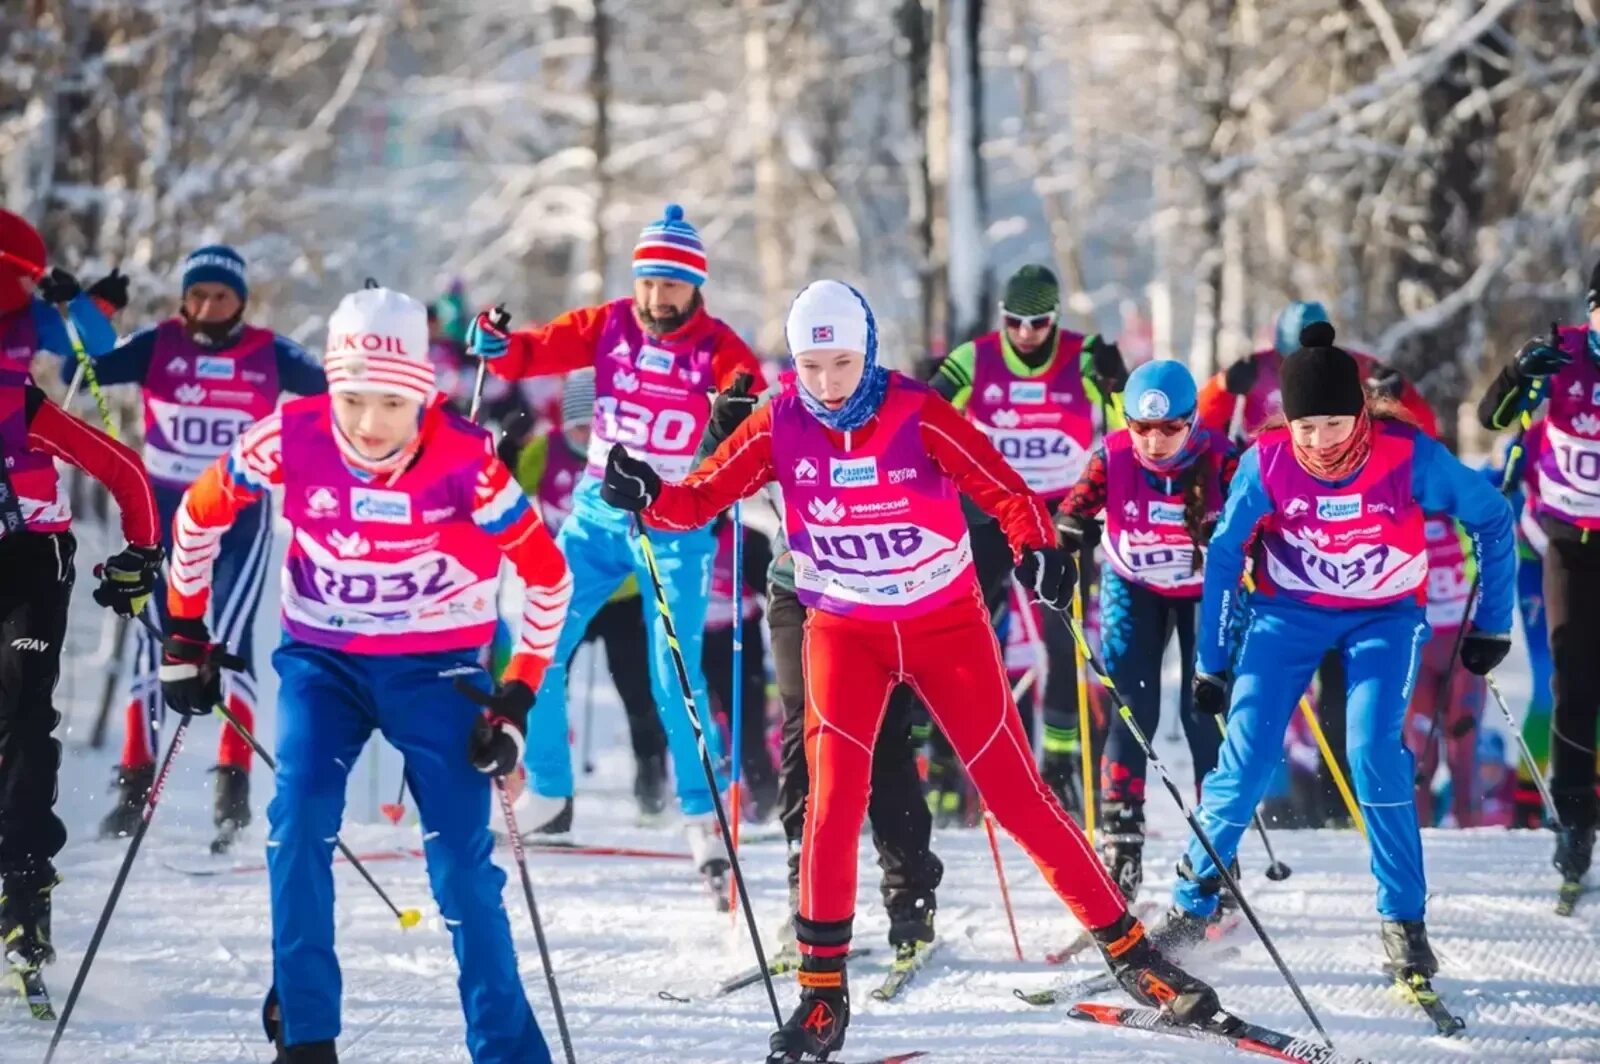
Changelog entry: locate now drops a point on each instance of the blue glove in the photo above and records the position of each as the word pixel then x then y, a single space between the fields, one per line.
pixel 489 334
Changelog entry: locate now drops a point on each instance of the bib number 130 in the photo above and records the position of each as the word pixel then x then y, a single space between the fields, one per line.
pixel 659 431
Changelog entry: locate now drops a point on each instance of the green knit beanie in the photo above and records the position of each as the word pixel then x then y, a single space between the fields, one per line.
pixel 1032 290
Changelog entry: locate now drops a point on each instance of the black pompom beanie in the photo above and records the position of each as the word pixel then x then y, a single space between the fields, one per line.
pixel 1320 379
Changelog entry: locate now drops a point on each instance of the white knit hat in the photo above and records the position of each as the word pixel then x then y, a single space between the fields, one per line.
pixel 829 315
pixel 378 342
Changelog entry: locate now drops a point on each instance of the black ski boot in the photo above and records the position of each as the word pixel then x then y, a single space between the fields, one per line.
pixel 650 786
pixel 231 811
pixel 1574 852
pixel 1060 772
pixel 305 1052
pixel 911 922
pixel 133 790
pixel 1149 977
pixel 1179 931
pixel 1405 944
pixel 25 915
pixel 1122 846
pixel 816 1028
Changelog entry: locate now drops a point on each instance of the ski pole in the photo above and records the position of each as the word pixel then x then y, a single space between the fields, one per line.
pixel 1527 755
pixel 1085 733
pixel 1227 878
pixel 1041 660
pixel 736 699
pixel 500 320
pixel 407 917
pixel 705 757
pixel 588 714
pixel 395 811
pixel 1277 871
pixel 86 372
pixel 994 842
pixel 154 798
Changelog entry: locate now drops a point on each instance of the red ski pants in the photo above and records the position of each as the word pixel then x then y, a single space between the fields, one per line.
pixel 952 659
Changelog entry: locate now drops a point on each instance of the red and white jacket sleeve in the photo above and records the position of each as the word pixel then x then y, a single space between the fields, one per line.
pixel 54 432
pixel 737 469
pixel 502 510
pixel 235 480
pixel 967 457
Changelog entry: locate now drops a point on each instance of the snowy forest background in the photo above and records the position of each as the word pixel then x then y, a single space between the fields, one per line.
pixel 1428 168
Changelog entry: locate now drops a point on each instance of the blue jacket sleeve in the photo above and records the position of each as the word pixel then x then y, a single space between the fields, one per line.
pixel 1442 484
pixel 129 361
pixel 92 327
pixel 298 371
pixel 1247 504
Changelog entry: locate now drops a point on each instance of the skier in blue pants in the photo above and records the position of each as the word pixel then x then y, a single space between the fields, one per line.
pixel 1338 496
pixel 656 356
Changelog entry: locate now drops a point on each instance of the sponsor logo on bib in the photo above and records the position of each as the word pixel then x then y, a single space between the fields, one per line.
pixel 993 394
pixel 1006 419
pixel 827 511
pixel 853 472
pixel 1027 391
pixel 178 366
pixel 352 545
pixel 805 471
pixel 190 393
pixel 655 360
pixel 211 368
pixel 389 507
pixel 322 502
pixel 1338 507
pixel 1166 513
pixel 623 381
pixel 1296 507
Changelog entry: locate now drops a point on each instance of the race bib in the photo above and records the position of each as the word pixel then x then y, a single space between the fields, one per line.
pixel 1046 458
pixel 1366 570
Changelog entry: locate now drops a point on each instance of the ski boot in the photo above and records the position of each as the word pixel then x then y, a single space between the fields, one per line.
pixel 231 812
pixel 1574 852
pixel 133 790
pixel 1063 753
pixel 816 1028
pixel 1150 978
pixel 710 856
pixel 1122 846
pixel 946 797
pixel 650 787
pixel 911 922
pixel 1405 945
pixel 25 915
pixel 544 815
pixel 1180 931
pixel 304 1053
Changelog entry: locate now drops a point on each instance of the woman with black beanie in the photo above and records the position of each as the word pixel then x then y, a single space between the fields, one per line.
pixel 1332 498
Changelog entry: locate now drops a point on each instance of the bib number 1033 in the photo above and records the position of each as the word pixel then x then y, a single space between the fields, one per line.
pixel 667 431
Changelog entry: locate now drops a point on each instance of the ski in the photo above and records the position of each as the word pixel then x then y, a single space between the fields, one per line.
pixel 225 838
pixel 783 962
pixel 1417 990
pixel 908 961
pixel 1143 911
pixel 564 849
pixel 1103 982
pixel 1223 1029
pixel 30 984
pixel 895 1058
pixel 1567 896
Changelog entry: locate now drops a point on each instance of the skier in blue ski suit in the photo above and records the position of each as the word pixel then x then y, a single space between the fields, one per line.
pixel 656 357
pixel 1337 497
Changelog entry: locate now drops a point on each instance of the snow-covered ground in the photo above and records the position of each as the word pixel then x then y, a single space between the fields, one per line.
pixel 181 973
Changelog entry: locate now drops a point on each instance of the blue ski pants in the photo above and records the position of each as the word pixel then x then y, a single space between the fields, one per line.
pixel 601 556
pixel 329 702
pixel 1283 642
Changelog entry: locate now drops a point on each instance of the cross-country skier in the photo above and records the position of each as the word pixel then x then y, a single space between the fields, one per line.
pixel 1442 686
pixel 37 573
pixel 1565 370
pixel 1033 387
pixel 205 376
pixel 1160 482
pixel 902 825
pixel 1338 495
pixel 400 514
pixel 549 468
pixel 656 356
pixel 870 463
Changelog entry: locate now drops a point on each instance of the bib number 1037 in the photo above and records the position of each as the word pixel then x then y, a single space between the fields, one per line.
pixel 667 431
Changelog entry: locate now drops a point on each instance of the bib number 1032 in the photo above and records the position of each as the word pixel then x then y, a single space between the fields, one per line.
pixel 661 431
pixel 361 589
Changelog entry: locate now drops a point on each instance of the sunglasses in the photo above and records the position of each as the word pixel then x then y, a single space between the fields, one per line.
pixel 1170 427
pixel 1036 321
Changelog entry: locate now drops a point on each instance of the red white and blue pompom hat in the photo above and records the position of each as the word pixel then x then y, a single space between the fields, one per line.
pixel 670 248
pixel 378 342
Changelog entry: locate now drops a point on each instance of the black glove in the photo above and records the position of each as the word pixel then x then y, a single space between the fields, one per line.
pixel 191 667
pixel 128 579
pixel 1482 651
pixel 1051 574
pixel 59 287
pixel 1211 693
pixel 1542 357
pixel 112 290
pixel 497 739
pixel 1105 360
pixel 1240 377
pixel 730 408
pixel 629 484
pixel 1385 383
pixel 1076 533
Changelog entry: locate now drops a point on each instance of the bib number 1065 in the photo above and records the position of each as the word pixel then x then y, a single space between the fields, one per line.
pixel 626 422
